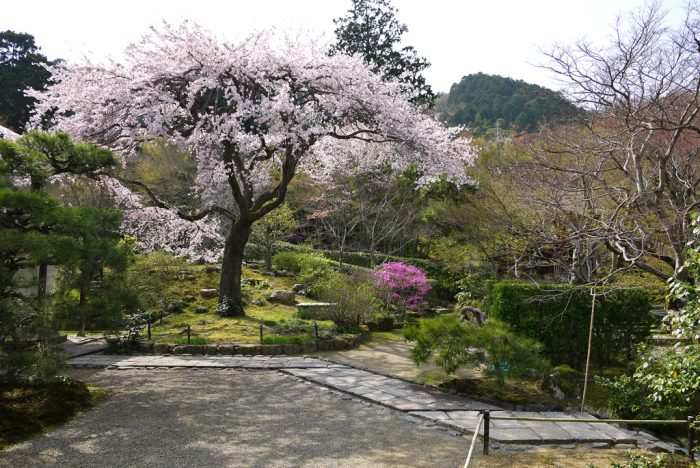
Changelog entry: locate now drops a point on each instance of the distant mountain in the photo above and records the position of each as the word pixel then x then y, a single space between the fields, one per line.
pixel 480 100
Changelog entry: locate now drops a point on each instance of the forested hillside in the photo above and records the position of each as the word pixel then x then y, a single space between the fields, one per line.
pixel 480 100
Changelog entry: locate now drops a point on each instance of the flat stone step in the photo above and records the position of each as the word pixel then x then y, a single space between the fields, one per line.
pixel 538 432
pixel 387 391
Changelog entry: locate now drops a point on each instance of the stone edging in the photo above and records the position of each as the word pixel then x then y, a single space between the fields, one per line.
pixel 335 344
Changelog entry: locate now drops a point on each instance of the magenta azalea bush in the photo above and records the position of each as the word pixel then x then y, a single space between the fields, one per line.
pixel 402 285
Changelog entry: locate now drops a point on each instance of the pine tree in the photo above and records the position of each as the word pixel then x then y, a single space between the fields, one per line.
pixel 371 30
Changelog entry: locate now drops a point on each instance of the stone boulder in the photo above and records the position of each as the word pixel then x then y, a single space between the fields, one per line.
pixel 209 293
pixel 297 288
pixel 282 297
pixel 213 268
pixel 315 310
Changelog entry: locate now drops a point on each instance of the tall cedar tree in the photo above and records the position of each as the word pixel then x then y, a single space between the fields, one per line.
pixel 21 67
pixel 371 30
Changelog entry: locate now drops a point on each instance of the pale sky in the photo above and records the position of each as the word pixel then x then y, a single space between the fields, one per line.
pixel 457 37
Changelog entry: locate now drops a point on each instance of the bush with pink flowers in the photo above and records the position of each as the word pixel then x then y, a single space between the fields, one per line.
pixel 402 286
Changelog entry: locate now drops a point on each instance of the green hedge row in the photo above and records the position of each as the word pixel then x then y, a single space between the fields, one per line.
pixel 559 315
pixel 444 284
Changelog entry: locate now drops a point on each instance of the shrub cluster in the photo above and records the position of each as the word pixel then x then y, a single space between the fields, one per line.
pixel 559 315
pixel 353 298
pixel 455 344
pixel 444 283
pixel 313 269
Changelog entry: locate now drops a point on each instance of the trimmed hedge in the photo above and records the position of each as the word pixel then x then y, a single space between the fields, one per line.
pixel 559 315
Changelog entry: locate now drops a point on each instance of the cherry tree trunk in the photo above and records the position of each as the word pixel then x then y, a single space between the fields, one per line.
pixel 230 299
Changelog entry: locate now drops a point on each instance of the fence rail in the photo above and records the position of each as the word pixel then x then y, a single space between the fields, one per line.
pixel 187 331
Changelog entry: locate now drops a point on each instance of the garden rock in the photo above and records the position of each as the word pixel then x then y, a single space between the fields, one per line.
pixel 282 297
pixel 383 324
pixel 292 348
pixel 297 288
pixel 160 348
pixel 185 275
pixel 209 293
pixel 213 268
pixel 271 350
pixel 256 283
pixel 187 349
pixel 227 349
pixel 315 310
pixel 248 349
pixel 535 407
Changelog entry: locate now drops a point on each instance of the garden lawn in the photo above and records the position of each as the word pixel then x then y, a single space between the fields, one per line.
pixel 209 327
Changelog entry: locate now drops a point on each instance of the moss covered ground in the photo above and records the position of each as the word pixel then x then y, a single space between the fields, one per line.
pixel 209 327
pixel 26 411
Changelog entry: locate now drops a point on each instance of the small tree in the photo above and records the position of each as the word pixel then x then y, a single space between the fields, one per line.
pixel 32 231
pixel 94 285
pixel 402 286
pixel 271 229
pixel 456 344
pixel 35 230
pixel 672 374
pixel 353 298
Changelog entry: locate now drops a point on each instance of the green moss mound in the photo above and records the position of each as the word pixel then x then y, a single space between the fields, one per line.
pixel 29 410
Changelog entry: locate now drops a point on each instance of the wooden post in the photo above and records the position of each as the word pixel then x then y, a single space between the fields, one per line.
pixel 149 330
pixel 588 353
pixel 487 424
pixel 316 334
pixel 261 334
pixel 691 437
pixel 189 331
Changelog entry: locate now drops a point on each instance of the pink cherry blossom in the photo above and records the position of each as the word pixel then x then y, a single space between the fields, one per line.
pixel 253 114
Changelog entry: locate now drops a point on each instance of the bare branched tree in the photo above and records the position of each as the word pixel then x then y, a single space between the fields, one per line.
pixel 627 177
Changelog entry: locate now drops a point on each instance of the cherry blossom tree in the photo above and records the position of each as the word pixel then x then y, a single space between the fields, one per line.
pixel 252 114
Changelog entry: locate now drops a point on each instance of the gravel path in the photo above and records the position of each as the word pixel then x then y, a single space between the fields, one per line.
pixel 232 417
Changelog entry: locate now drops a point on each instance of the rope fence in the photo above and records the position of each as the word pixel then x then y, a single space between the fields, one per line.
pixel 187 331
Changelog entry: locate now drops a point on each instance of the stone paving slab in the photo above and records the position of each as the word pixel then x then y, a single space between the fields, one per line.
pixel 538 432
pixel 394 393
pixel 247 362
pixel 80 346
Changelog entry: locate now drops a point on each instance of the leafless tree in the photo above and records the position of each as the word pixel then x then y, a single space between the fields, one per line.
pixel 627 177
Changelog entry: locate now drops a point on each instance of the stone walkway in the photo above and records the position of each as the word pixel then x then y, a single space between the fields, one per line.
pixel 83 345
pixel 455 412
